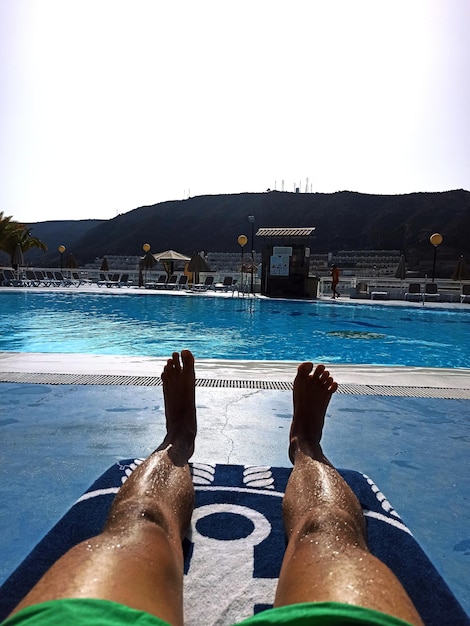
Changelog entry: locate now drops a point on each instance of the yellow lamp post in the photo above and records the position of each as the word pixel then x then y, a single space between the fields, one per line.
pixel 436 240
pixel 251 219
pixel 61 249
pixel 144 264
pixel 242 241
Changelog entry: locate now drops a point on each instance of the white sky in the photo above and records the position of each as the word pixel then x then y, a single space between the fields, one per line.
pixel 107 105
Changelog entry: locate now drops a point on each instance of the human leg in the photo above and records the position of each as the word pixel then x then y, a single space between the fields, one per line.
pixel 137 560
pixel 327 558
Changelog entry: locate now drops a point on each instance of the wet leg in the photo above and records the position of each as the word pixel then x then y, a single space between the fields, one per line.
pixel 137 560
pixel 327 558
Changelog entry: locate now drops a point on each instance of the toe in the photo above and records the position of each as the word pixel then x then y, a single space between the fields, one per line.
pixel 187 358
pixel 319 371
pixel 304 369
pixel 176 360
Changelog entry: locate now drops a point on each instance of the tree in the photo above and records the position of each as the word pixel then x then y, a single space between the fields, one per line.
pixel 13 233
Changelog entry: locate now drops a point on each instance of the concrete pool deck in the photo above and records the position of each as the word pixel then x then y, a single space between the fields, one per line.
pixel 66 418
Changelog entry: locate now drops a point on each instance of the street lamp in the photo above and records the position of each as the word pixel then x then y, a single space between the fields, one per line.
pixel 61 249
pixel 436 241
pixel 251 219
pixel 145 264
pixel 242 241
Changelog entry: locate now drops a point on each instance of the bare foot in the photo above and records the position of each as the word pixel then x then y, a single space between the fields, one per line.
pixel 312 394
pixel 179 389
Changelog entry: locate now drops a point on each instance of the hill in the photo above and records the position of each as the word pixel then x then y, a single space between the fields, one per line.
pixel 57 233
pixel 343 220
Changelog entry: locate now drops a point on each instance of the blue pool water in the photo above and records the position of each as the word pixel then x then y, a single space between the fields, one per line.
pixel 234 328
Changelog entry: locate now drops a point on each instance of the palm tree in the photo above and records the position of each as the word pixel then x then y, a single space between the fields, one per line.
pixel 6 226
pixel 13 233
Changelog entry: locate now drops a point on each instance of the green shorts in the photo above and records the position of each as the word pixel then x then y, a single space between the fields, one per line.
pixel 86 612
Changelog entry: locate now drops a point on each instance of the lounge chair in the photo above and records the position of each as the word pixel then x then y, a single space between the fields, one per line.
pixel 361 290
pixel 42 279
pixel 10 280
pixel 207 284
pixel 62 281
pixel 430 291
pixel 123 281
pixel 111 281
pixel 182 281
pixel 49 276
pixel 414 291
pixel 76 278
pixel 156 284
pixel 226 285
pixel 172 282
pixel 31 279
pixel 465 293
pixel 379 294
pixel 102 280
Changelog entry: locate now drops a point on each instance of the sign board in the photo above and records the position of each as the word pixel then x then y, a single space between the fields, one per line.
pixel 279 265
pixel 287 250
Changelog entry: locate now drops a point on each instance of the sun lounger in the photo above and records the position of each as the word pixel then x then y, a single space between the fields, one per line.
pixel 379 295
pixel 465 293
pixel 248 498
pixel 123 281
pixel 102 280
pixel 171 282
pixel 175 282
pixel 42 279
pixel 414 292
pixel 361 290
pixel 76 278
pixel 62 281
pixel 226 285
pixel 49 275
pixel 430 292
pixel 110 281
pixel 156 284
pixel 182 281
pixel 10 280
pixel 30 279
pixel 207 284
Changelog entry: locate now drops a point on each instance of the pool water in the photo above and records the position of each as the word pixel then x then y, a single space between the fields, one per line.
pixel 234 328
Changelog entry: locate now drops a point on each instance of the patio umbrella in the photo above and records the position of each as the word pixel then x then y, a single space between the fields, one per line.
pixel 168 258
pixel 104 267
pixel 71 263
pixel 18 259
pixel 196 265
pixel 460 272
pixel 401 269
pixel 146 264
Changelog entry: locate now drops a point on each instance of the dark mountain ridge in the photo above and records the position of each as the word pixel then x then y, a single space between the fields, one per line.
pixel 343 220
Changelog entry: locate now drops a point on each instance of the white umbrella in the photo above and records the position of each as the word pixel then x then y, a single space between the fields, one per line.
pixel 171 256
pixel 18 259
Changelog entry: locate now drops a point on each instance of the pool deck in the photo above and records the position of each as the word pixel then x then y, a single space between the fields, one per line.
pixel 66 418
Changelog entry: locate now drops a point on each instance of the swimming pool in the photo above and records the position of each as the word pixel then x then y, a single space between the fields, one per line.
pixel 233 328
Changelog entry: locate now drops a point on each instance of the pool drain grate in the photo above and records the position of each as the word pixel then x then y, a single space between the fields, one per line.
pixel 155 381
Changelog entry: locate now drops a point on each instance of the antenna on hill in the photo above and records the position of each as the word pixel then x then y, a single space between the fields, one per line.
pixel 306 185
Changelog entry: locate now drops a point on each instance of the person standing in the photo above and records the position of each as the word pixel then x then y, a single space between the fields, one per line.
pixel 334 281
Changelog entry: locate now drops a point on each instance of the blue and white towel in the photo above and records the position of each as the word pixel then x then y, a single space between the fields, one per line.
pixel 234 550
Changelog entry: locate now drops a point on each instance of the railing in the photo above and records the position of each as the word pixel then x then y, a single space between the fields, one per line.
pixel 93 276
pixel 395 288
